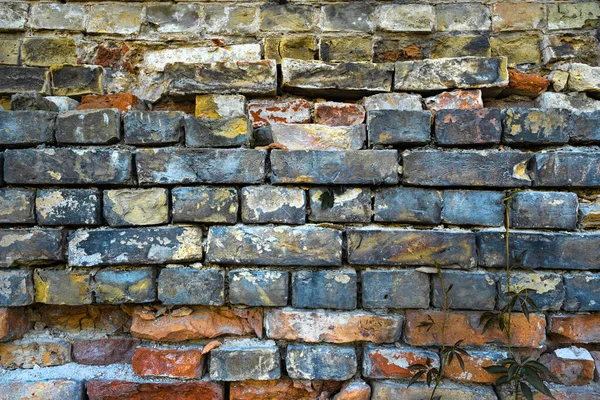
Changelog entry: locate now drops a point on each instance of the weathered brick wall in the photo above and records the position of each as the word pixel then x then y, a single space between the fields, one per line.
pixel 284 178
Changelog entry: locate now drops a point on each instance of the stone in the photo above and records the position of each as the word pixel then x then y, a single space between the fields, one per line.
pixel 589 214
pixel 68 207
pixel 217 132
pixel 401 246
pixel 168 363
pixel 324 289
pixel 511 101
pixel 314 326
pixel 521 49
pixel 354 390
pixel 546 290
pixel 581 328
pixel 399 127
pixel 572 101
pixel 320 362
pixel 408 204
pixel 220 106
pixel 450 73
pixel 17 288
pixel 135 246
pixel 204 204
pixel 471 290
pixel 581 292
pixel 34 353
pixel 522 84
pixel 89 127
pixel 286 245
pixel 288 18
pixel 181 166
pixel 556 210
pixel 14 323
pixel 125 285
pixel 62 286
pixel 466 168
pixel 477 45
pixel 16 206
pixel 43 52
pixel 123 101
pixel 584 127
pixel 114 350
pixel 572 16
pixel 350 167
pixel 390 390
pixel 573 366
pixel 267 112
pixel 26 128
pixel 131 207
pixel 475 363
pixel 258 287
pixel 566 46
pixel 473 207
pixel 344 49
pixel 584 78
pixel 178 284
pixel 535 126
pixel 393 101
pixel 31 101
pixel 119 19
pixel 202 323
pixel 462 17
pixel 47 389
pixel 283 388
pixel 319 137
pixel 173 18
pixel 14 79
pixel 30 246
pixel 387 362
pixel 350 17
pixel 231 19
pixel 9 51
pixel 104 389
pixel 100 318
pixel 240 360
pixel 566 168
pixel 339 114
pixel 299 48
pixel 468 127
pixel 455 100
pixel 153 127
pixel 342 204
pixel 13 16
pixel 70 17
pixel 272 204
pixel 518 16
pixel 75 80
pixel 394 288
pixel 404 17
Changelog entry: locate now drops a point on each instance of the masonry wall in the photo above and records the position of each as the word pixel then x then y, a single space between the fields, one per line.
pixel 250 200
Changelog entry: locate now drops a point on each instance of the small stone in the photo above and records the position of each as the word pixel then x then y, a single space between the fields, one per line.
pixel 572 101
pixel 473 207
pixel 584 78
pixel 178 284
pixel 125 285
pixel 104 351
pixel 258 287
pixel 572 15
pixel 324 289
pixel 573 366
pixel 68 207
pixel 287 18
pixel 518 16
pixel 89 127
pixel 267 112
pixel 231 19
pixel 585 126
pixel 271 204
pixel 339 114
pixel 340 204
pixel 404 17
pixel 344 49
pixel 462 17
pixel 299 48
pixel 70 17
pixel 173 19
pixel 566 46
pixel 100 318
pixel 354 17
pixel 455 100
pixel 13 16
pixel 354 390
pixel 393 101
pixel 522 84
pixel 581 292
pixel 567 168
pixel 220 105
pixel 34 353
pixel 30 246
pixel 130 207
pixel 153 127
pixel 31 101
pixel 320 362
pixel 43 51
pixel 120 18
pixel 15 79
pixel 239 360
pixel 518 49
pixel 399 127
pixel 75 80
pixel 393 288
pixel 204 204
pixel 123 101
pixel 9 51
pixel 409 47
pixel 391 390
pixel 217 132
pixel 16 206
pixel 17 288
pixel 14 323
pixel 582 328
pixel 589 214
pixel 168 363
pixel 61 286
pixel 409 205
pixel 462 46
pixel 26 127
pixel 319 137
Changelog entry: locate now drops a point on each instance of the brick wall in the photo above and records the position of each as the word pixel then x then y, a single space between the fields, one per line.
pixel 250 200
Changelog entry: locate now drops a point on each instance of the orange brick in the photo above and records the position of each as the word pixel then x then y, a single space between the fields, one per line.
pixel 168 363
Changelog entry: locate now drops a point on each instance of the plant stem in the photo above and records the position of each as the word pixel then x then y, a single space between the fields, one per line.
pixel 441 357
pixel 508 272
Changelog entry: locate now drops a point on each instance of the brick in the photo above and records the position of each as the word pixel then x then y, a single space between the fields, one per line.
pixel 351 167
pixel 14 323
pixel 476 45
pixel 572 16
pixel 386 362
pixel 518 16
pixel 125 285
pixel 582 292
pixel 258 287
pixel 239 360
pixel 332 326
pixel 465 326
pixel 220 106
pixel 31 101
pixel 54 166
pixel 202 323
pixel 153 127
pixel 16 206
pixel 324 289
pixel 178 284
pixel 473 207
pixel 518 48
pixel 575 168
pixel 30 246
pixel 354 390
pixel 131 207
pixel 104 389
pixel 243 77
pixel 462 17
pixel 284 388
pixel 287 245
pixel 399 127
pixel 320 362
pixel 267 112
pixel 407 204
pixel 114 350
pixel 466 168
pixel 219 132
pixel 319 137
pixel 89 127
pixel 68 207
pixel 34 353
pixel 393 101
pixel 562 46
pixel 102 319
pixel 17 288
pixel 344 49
pixel 475 363
pixel 179 166
pixel 582 328
pixel 69 17
pixel 347 17
pixel 9 51
pixel 14 79
pixel 300 48
pixel 340 204
pixel 573 366
pixel 13 16
pixel 389 390
pixel 556 210
pixel 231 19
pixel 272 204
pixel 170 363
pixel 339 114
pixel 135 246
pixel 62 286
pixel 122 101
pixel 75 80
pixel 173 18
pixel 529 85
pixel 120 19
pixel 397 246
pixel 407 47
pixel 455 100
pixel 474 290
pixel 26 128
pixel 204 204
pixel 404 18
pixel 287 18
pixel 468 127
pixel 394 288
pixel 589 214
pixel 450 73
pixel 584 126
pixel 51 389
pixel 42 51
pixel 535 126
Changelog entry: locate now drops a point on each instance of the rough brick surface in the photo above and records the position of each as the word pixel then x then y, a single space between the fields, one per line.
pixel 320 362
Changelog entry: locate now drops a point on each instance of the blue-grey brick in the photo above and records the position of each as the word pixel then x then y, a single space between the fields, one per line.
pixel 153 127
pixel 89 126
pixel 324 289
pixel 178 284
pixel 394 288
pixel 535 126
pixel 48 389
pixel 56 166
pixel 17 288
pixel 68 207
pixel 406 204
pixel 240 360
pixel 473 207
pixel 540 249
pixel 577 168
pixel 135 246
pixel 584 127
pixel 274 245
pixel 63 286
pixel 30 246
pixel 125 285
pixel 136 207
pixel 399 246
pixel 544 210
pixel 18 79
pixel 399 127
pixel 466 168
pixel 340 204
pixel 26 128
pixel 262 204
pixel 334 167
pixel 205 204
pixel 468 127
pixel 258 287
pixel 395 390
pixel 474 290
pixel 176 166
pixel 320 362
pixel 217 132
pixel 546 289
pixel 354 17
pixel 582 292
pixel 16 206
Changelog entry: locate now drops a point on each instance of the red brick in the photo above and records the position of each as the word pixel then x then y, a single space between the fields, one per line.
pixel 168 363
pixel 282 389
pixel 474 371
pixel 267 112
pixel 13 323
pixel 529 85
pixel 123 101
pixel 570 366
pixel 99 389
pixel 575 328
pixel 354 390
pixel 457 99
pixel 394 362
pixel 339 114
pixel 104 351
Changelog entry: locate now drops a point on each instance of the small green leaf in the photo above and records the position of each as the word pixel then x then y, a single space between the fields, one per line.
pixel 526 391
